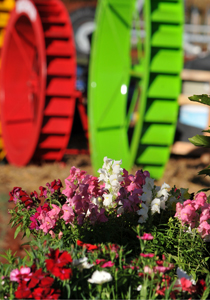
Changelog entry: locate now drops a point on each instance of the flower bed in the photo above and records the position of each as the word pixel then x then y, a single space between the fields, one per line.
pixel 114 237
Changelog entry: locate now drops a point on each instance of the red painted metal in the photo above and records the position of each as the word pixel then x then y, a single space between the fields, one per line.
pixel 38 82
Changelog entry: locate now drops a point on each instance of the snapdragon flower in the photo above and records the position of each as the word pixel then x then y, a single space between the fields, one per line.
pixel 147 191
pixel 111 176
pixel 143 213
pixel 155 205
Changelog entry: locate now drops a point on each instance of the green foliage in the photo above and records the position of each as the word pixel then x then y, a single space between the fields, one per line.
pixel 182 246
pixel 203 99
pixel 201 140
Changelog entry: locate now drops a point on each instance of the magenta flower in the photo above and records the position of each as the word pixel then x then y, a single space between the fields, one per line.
pixel 147 237
pixel 107 264
pixel 147 255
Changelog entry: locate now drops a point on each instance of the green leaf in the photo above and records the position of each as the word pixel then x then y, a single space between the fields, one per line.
pixel 207 130
pixel 204 171
pixel 68 291
pixel 200 140
pixel 203 190
pixel 204 99
pixel 4 256
pixel 17 231
pixel 28 232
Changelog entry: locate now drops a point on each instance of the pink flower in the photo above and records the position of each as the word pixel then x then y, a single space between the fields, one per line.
pixel 205 215
pixel 54 212
pixel 204 228
pixel 161 269
pixel 147 255
pixel 148 270
pixel 179 207
pixel 200 200
pixel 147 237
pixel 20 275
pixel 52 233
pixel 68 213
pixel 47 225
pixel 189 215
pixel 60 235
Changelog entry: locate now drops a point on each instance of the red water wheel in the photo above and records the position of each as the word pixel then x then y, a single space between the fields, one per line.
pixel 38 80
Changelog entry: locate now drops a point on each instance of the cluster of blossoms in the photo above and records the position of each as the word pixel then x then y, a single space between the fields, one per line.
pixel 195 214
pixel 88 199
pixel 34 283
pixel 155 198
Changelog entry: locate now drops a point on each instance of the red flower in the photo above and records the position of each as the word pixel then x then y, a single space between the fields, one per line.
pixel 62 273
pixel 18 194
pixel 36 277
pixel 46 282
pixel 58 260
pixel 89 247
pixel 201 286
pixel 187 285
pixel 161 291
pixel 40 293
pixel 23 291
pixel 80 243
pixel 24 197
pixel 56 185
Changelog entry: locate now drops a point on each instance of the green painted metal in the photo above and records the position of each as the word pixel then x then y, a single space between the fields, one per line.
pixel 154 76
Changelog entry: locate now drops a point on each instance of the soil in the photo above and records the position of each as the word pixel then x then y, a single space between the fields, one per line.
pixel 181 171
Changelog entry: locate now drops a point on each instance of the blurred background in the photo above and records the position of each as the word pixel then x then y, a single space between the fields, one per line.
pixel 185 159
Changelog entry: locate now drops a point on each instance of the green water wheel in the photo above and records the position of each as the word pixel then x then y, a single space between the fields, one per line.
pixel 134 82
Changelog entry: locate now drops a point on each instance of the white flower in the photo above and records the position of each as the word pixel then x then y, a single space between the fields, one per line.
pixel 87 213
pixel 100 277
pixel 139 288
pixel 96 201
pixel 120 210
pixel 155 205
pixel 149 184
pixel 146 197
pixel 107 163
pixel 103 175
pixel 143 213
pixel 162 203
pixel 163 191
pixel 114 180
pixel 110 174
pixel 116 166
pixel 82 263
pixel 107 186
pixel 147 189
pixel 107 199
